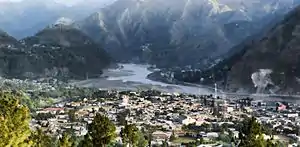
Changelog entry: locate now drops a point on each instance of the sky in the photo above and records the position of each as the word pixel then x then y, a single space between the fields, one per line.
pixel 65 2
pixel 22 18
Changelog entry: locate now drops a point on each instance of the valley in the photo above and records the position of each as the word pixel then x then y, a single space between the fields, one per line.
pixel 157 73
pixel 191 42
pixel 134 77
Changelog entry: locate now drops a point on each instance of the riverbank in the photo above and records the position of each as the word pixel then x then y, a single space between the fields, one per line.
pixel 135 77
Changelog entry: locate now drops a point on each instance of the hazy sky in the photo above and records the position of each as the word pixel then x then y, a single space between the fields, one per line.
pixel 66 2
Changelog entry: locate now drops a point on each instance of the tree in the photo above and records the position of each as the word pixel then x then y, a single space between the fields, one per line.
pixel 129 135
pixel 173 136
pixel 225 138
pixel 14 121
pixel 206 126
pixel 101 131
pixel 201 141
pixel 149 130
pixel 72 116
pixel 39 139
pixel 121 117
pixel 272 143
pixel 86 142
pixel 165 143
pixel 225 127
pixel 142 142
pixel 251 134
pixel 205 102
pixel 65 140
pixel 44 116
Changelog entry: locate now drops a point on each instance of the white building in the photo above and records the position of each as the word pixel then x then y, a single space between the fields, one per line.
pixel 188 120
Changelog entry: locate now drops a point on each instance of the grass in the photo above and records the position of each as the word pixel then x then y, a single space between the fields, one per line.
pixel 184 140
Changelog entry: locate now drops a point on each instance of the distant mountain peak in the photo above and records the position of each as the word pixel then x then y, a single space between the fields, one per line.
pixel 64 21
pixel 6 39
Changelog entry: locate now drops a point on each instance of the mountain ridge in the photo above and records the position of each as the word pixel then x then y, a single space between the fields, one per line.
pixel 61 51
pixel 27 17
pixel 279 52
pixel 187 31
pixel 265 63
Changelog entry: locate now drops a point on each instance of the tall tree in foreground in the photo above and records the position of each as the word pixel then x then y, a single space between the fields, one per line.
pixel 14 121
pixel 129 135
pixel 65 140
pixel 101 131
pixel 86 142
pixel 39 139
pixel 142 142
pixel 251 135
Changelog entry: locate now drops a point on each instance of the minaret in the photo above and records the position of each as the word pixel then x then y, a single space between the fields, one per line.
pixel 216 91
pixel 87 75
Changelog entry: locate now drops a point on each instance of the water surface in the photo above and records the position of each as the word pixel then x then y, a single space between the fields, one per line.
pixel 134 77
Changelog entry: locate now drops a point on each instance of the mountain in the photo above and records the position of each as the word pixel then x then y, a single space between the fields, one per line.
pixel 64 21
pixel 25 18
pixel 264 63
pixel 7 40
pixel 190 32
pixel 273 63
pixel 56 51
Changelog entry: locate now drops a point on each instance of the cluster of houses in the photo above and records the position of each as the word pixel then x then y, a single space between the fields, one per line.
pixel 171 114
pixel 31 85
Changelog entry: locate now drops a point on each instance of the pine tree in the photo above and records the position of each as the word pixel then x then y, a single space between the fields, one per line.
pixel 142 142
pixel 129 135
pixel 14 121
pixel 72 116
pixel 40 139
pixel 149 130
pixel 65 141
pixel 165 143
pixel 86 142
pixel 251 135
pixel 101 131
pixel 173 136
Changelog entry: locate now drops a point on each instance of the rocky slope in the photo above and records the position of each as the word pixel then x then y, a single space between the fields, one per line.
pixel 57 51
pixel 7 40
pixel 190 32
pixel 273 63
pixel 267 65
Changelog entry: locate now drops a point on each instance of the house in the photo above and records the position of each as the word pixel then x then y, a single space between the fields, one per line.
pixel 292 115
pixel 212 135
pixel 159 135
pixel 205 145
pixel 229 109
pixel 52 110
pixel 266 137
pixel 281 107
pixel 188 120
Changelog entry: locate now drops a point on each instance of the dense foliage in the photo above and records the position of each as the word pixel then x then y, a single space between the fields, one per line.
pixel 132 136
pixel 101 131
pixel 251 135
pixel 14 121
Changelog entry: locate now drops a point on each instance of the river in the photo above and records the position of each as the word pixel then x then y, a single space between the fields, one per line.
pixel 134 77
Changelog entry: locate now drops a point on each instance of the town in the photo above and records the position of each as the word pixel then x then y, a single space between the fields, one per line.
pixel 178 119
